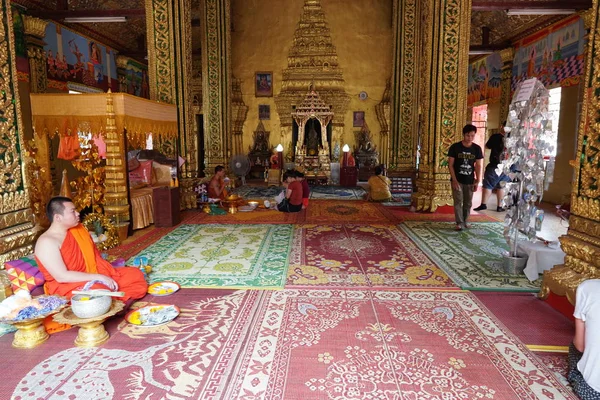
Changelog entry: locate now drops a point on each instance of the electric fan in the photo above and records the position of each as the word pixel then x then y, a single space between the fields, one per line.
pixel 240 166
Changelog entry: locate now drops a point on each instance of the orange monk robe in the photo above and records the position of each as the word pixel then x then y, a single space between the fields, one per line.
pixel 80 254
pixel 212 194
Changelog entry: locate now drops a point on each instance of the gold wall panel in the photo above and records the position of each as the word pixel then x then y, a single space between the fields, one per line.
pixel 216 81
pixel 161 50
pixel 361 56
pixel 405 86
pixel 444 61
pixel 17 232
pixel 582 242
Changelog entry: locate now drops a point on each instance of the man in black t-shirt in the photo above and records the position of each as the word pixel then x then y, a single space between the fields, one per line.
pixel 491 180
pixel 464 162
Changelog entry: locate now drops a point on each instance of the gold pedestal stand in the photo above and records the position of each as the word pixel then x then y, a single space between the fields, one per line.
pixel 29 334
pixel 91 330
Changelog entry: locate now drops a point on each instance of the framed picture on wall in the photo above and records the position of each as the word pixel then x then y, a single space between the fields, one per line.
pixel 263 84
pixel 358 118
pixel 264 111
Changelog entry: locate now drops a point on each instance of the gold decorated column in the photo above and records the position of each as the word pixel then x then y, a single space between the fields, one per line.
pixel 402 143
pixel 581 244
pixel 169 32
pixel 443 96
pixel 507 56
pixel 35 31
pixel 17 231
pixel 216 81
pixel 116 205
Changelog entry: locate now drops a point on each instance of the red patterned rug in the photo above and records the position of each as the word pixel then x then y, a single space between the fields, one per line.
pixel 293 344
pixel 545 326
pixel 557 363
pixel 360 256
pixel 348 212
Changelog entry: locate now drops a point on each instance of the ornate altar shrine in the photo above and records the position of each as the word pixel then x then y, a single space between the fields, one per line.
pixel 312 145
pixel 260 151
pixel 365 153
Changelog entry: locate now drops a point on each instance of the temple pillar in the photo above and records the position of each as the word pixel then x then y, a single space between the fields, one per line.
pixel 169 32
pixel 35 31
pixel 240 112
pixel 384 115
pixel 404 125
pixel 116 205
pixel 581 244
pixel 507 56
pixel 17 228
pixel 216 81
pixel 444 65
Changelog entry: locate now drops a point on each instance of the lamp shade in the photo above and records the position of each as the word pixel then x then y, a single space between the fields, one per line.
pixel 279 148
pixel 346 148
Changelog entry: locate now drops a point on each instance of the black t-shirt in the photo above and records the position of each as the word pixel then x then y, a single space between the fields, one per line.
pixel 464 161
pixel 496 144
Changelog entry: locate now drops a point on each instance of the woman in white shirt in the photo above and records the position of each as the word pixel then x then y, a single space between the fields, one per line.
pixel 584 352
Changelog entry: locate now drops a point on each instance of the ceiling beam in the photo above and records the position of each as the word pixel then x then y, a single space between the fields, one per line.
pixel 491 5
pixel 491 48
pixel 62 14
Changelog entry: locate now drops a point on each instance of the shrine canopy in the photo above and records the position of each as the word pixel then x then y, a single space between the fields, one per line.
pixel 91 112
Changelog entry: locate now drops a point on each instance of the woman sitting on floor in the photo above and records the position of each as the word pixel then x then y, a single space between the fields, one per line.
pixel 584 352
pixel 379 186
pixel 292 201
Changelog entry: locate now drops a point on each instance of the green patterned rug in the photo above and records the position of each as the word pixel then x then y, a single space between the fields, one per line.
pixel 472 258
pixel 222 256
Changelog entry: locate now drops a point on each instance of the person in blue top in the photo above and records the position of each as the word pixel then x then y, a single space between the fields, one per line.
pixel 465 164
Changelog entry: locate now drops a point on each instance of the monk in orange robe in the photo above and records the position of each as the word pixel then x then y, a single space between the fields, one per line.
pixel 69 259
pixel 216 186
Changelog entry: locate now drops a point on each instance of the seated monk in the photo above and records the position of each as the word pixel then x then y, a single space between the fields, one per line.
pixel 216 186
pixel 68 257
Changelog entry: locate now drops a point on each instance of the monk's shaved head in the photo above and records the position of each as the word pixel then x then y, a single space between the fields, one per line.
pixel 55 206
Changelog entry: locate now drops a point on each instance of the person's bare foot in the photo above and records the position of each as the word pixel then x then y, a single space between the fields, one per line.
pixel 468 226
pixel 458 227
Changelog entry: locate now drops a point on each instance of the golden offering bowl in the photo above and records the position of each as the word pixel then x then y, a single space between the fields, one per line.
pixel 91 330
pixel 233 197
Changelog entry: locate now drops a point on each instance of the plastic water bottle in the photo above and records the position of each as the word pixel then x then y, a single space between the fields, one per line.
pixel 539 218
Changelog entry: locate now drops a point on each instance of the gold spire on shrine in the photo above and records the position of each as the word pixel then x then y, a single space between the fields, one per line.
pixel 313 62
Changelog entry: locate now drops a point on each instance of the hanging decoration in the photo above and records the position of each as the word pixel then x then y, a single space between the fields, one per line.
pixel 89 188
pixel 528 145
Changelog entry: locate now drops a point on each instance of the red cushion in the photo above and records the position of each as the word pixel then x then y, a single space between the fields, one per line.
pixel 24 274
pixel 142 174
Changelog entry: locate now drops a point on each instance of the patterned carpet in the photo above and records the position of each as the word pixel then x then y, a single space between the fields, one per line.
pixel 404 214
pixel 257 192
pixel 472 257
pixel 347 212
pixel 337 193
pixel 324 192
pixel 360 256
pixel 399 200
pixel 225 256
pixel 545 325
pixel 339 345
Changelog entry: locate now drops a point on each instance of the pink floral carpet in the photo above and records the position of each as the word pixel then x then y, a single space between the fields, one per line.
pixel 293 344
pixel 360 256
